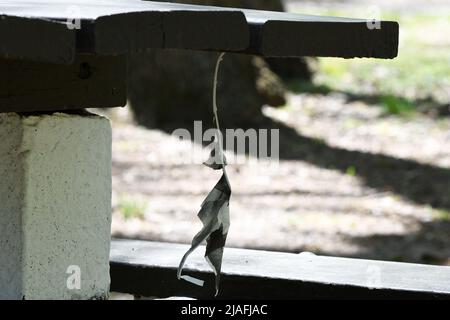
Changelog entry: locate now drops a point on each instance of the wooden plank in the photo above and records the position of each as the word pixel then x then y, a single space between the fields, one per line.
pixel 89 82
pixel 281 34
pixel 278 34
pixel 123 26
pixel 193 30
pixel 36 39
pixel 149 269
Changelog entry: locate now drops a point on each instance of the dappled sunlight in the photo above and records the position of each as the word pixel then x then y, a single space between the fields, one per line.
pixel 364 165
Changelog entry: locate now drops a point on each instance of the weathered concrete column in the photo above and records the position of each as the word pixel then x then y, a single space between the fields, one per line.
pixel 55 206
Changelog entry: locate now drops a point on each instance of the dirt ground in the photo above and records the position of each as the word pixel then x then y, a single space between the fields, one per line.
pixel 351 181
pixel 344 185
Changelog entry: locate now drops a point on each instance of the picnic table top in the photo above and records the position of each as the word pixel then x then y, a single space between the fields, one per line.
pixel 38 30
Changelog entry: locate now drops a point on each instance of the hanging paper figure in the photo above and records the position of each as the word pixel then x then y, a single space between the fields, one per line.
pixel 214 212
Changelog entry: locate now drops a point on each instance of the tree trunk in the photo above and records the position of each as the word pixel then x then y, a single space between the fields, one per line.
pixel 172 88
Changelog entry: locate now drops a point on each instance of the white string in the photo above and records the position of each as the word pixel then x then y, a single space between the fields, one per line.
pixel 216 117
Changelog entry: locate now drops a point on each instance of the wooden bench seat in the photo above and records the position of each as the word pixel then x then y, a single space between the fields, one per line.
pixel 149 269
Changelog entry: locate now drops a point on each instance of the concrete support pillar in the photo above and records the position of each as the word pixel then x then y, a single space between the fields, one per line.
pixel 55 206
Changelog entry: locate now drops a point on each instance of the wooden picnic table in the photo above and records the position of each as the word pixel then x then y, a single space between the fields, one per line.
pixel 58 55
pixel 48 64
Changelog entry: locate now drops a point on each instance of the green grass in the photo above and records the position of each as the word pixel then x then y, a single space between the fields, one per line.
pixel 306 86
pixel 391 104
pixel 442 215
pixel 397 105
pixel 351 171
pixel 131 207
pixel 422 69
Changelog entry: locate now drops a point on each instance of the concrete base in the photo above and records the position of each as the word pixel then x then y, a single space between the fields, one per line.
pixel 55 206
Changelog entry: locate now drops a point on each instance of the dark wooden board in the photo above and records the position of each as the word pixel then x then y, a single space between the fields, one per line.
pixel 36 39
pixel 123 26
pixel 89 82
pixel 278 34
pixel 149 269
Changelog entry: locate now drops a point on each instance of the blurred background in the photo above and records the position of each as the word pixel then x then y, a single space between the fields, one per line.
pixel 364 143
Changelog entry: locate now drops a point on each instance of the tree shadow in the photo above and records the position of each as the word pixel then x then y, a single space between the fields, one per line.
pixel 420 183
pixel 429 244
pixel 391 104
